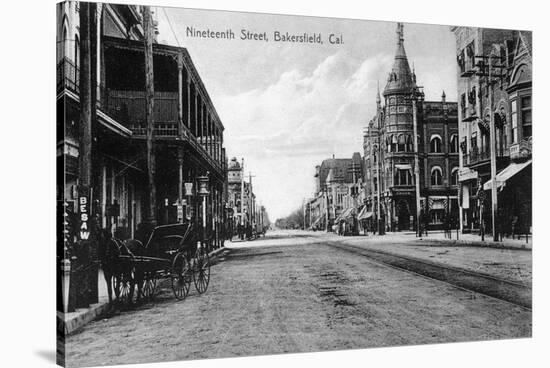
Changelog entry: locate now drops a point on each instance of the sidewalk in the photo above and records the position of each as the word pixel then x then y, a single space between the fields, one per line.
pixel 506 260
pixel 71 322
pixel 475 240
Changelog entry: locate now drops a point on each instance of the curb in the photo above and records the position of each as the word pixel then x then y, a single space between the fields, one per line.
pixel 84 316
pixel 476 243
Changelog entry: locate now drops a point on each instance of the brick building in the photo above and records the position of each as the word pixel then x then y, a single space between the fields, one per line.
pixel 390 154
pixel 511 110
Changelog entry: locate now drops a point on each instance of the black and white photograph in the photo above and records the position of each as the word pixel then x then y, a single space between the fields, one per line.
pixel 234 184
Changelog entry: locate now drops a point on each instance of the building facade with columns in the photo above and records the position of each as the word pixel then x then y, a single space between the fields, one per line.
pixel 506 105
pixel 187 134
pixel 389 152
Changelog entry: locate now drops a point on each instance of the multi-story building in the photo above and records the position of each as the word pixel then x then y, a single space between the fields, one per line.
pixel 390 154
pixel 242 203
pixel 505 98
pixel 337 191
pixel 188 133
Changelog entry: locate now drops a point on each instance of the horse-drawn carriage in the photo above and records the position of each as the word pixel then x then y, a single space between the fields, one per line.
pixel 135 270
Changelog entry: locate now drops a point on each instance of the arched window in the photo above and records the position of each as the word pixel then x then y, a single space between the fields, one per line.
pixel 393 143
pixel 454 143
pixel 435 143
pixel 437 177
pixel 76 51
pixel 65 43
pixel 454 176
pixel 401 143
pixel 410 147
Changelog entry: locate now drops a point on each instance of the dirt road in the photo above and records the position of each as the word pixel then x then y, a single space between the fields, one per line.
pixel 290 293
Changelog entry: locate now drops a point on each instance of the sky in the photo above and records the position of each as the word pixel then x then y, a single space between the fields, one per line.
pixel 287 106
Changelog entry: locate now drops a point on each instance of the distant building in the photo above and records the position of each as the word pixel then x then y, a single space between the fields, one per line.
pixel 338 182
pixel 511 97
pixel 246 212
pixel 390 156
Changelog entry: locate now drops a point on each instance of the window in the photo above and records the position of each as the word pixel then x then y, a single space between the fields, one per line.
pixel 393 143
pixel 401 143
pixel 77 51
pixel 473 140
pixel 375 182
pixel 454 143
pixel 514 115
pixel 454 176
pixel 437 216
pixel 435 144
pixel 526 117
pixel 410 147
pixel 403 177
pixel 436 176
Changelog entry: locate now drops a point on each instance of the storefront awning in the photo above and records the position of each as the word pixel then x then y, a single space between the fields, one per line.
pixel 317 221
pixel 348 212
pixel 506 174
pixel 403 166
pixel 364 214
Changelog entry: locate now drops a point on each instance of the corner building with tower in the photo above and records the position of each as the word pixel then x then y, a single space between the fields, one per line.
pixel 389 152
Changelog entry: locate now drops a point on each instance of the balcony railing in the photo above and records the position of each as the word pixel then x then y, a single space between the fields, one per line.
pixel 476 156
pixel 67 76
pixel 129 107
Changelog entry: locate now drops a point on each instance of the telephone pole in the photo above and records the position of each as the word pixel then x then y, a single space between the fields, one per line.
pixel 416 168
pixel 242 192
pixel 86 106
pixel 150 103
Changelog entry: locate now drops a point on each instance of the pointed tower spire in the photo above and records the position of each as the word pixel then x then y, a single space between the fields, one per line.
pixel 378 100
pixel 401 79
pixel 443 96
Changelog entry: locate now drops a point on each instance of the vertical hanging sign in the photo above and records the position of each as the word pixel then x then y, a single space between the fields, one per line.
pixel 84 214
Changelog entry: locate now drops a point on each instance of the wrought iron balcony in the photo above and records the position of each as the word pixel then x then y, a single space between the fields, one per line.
pixel 67 76
pixel 477 156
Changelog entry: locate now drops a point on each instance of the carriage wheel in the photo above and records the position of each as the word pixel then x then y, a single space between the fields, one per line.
pixel 123 286
pixel 201 271
pixel 149 288
pixel 180 275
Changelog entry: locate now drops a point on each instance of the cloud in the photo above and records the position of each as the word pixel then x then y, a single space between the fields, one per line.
pixel 288 127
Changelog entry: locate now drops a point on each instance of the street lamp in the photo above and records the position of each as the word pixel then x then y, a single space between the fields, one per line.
pixel 203 192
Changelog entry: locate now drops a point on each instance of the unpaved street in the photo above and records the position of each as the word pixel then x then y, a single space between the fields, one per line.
pixel 290 292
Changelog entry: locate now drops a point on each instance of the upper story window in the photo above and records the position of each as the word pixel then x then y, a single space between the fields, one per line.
pixel 402 177
pixel 514 116
pixel 473 140
pixel 410 147
pixel 401 144
pixel 454 176
pixel 393 143
pixel 453 143
pixel 435 143
pixel 437 176
pixel 526 117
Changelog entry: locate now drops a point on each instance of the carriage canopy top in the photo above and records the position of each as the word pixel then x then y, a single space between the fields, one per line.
pixel 173 230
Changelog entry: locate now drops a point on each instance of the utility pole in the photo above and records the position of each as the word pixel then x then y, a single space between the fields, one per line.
pixel 149 111
pixel 242 191
pixel 85 253
pixel 492 138
pixel 416 168
pixel 252 203
pixel 85 128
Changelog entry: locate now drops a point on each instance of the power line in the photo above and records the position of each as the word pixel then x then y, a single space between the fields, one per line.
pixel 170 24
